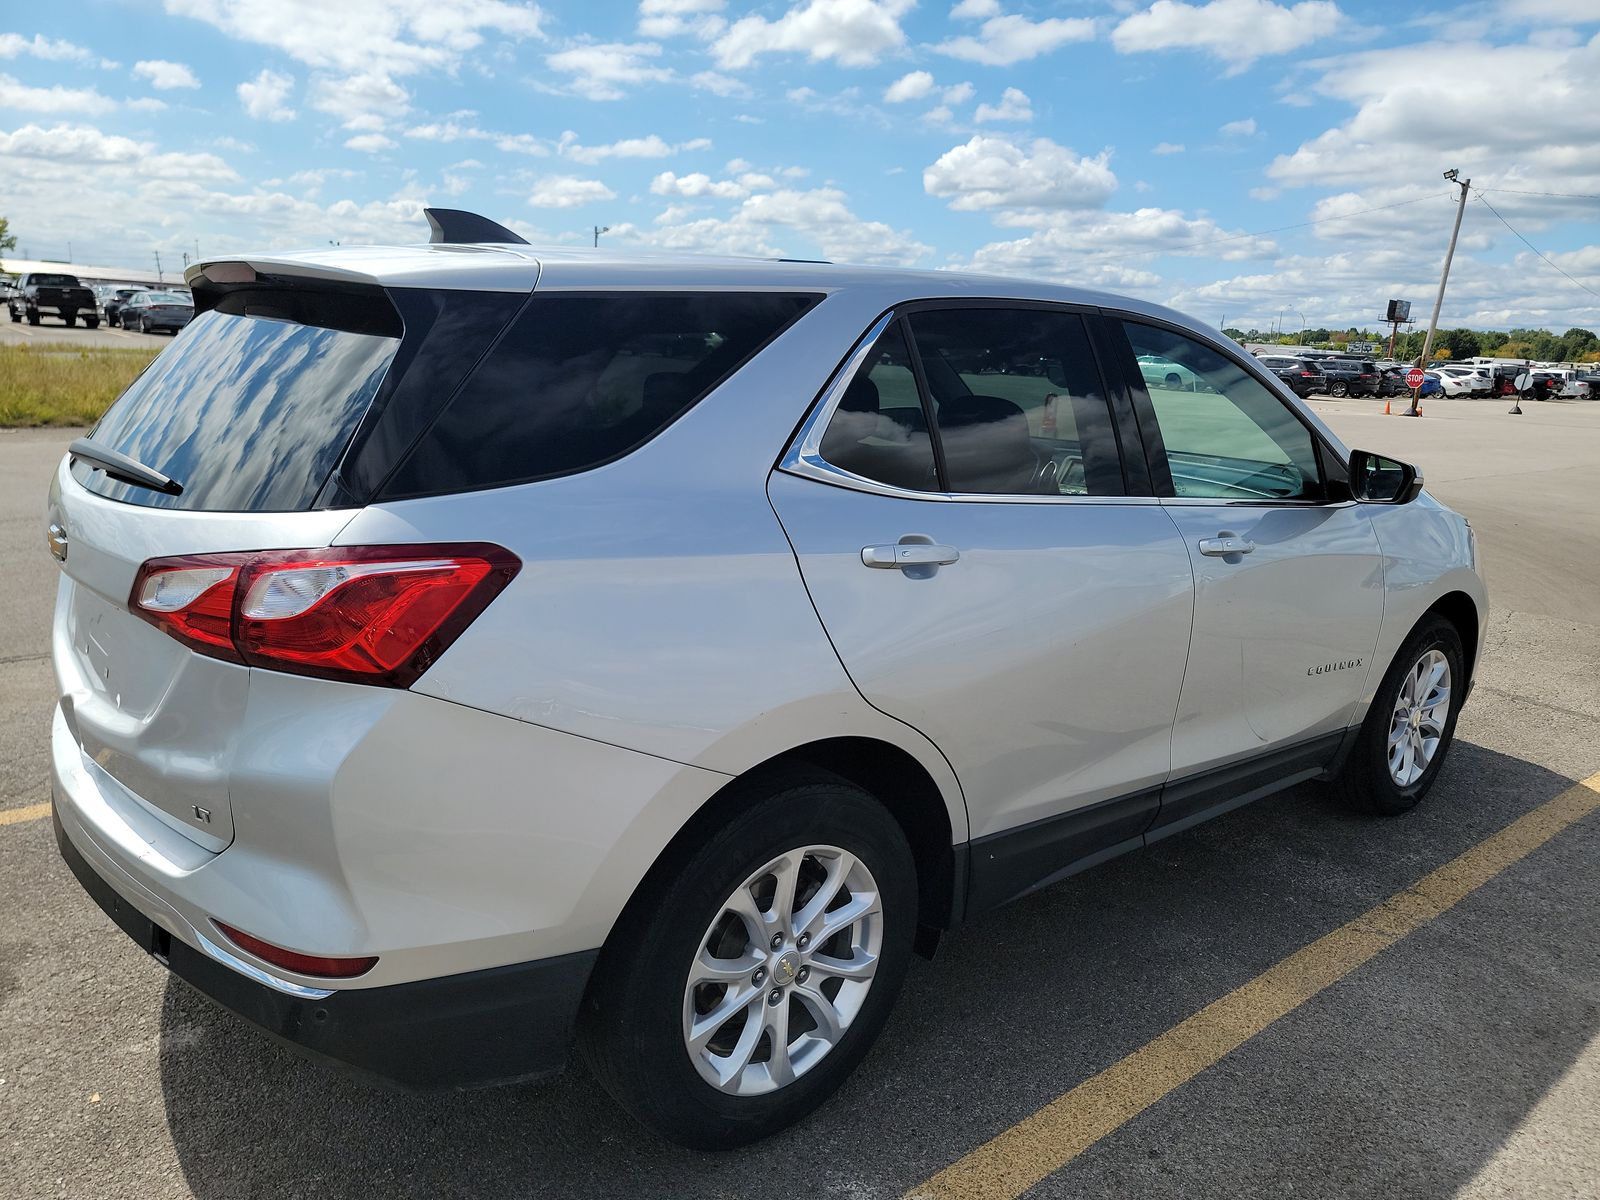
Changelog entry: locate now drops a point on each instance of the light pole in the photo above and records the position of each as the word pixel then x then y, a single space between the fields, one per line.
pixel 1444 277
pixel 598 230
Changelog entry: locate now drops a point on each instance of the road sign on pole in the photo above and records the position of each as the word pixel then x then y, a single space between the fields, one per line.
pixel 1415 377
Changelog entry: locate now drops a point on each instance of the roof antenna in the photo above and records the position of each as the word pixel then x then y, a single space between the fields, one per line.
pixel 457 227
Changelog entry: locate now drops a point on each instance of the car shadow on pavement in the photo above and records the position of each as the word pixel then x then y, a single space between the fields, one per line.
pixel 1402 1080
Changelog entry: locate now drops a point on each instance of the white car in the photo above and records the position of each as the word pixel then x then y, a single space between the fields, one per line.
pixel 466 648
pixel 1466 381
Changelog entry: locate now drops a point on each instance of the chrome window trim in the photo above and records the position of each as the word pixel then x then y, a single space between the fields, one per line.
pixel 804 458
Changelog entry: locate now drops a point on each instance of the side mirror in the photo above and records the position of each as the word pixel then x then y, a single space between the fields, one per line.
pixel 1375 479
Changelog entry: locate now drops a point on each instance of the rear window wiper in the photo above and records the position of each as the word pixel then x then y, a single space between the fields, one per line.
pixel 120 466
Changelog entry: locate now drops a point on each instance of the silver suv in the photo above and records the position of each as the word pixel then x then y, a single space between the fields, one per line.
pixel 466 650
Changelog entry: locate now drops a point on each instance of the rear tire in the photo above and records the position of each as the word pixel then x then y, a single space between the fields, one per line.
pixel 91 323
pixel 33 318
pixel 1339 388
pixel 69 319
pixel 650 1027
pixel 1397 755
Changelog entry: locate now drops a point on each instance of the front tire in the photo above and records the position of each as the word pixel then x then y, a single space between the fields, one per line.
pixel 1410 726
pixel 1339 389
pixel 742 986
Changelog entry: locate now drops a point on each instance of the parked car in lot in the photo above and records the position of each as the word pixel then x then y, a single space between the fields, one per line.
pixel 1430 385
pixel 112 304
pixel 1455 384
pixel 51 293
pixel 1479 380
pixel 446 670
pixel 151 312
pixel 1302 376
pixel 1349 376
pixel 1392 380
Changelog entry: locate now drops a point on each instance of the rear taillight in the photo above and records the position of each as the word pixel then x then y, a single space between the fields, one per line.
pixel 364 614
pixel 292 960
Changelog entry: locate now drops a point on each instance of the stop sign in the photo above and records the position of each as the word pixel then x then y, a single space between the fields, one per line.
pixel 1414 377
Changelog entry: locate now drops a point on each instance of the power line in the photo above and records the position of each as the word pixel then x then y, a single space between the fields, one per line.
pixel 1521 192
pixel 1534 248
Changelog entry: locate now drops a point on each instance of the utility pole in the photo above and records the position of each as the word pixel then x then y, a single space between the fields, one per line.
pixel 1433 322
pixel 598 230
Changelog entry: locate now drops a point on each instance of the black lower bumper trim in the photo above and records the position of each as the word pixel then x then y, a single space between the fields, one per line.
pixel 493 1026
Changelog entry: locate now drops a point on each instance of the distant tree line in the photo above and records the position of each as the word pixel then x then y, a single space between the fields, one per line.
pixel 1575 345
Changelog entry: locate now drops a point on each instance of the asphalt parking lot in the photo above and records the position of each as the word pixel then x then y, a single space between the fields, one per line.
pixel 1196 992
pixel 53 332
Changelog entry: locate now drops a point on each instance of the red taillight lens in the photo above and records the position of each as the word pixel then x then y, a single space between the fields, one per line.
pixel 192 599
pixel 365 614
pixel 292 960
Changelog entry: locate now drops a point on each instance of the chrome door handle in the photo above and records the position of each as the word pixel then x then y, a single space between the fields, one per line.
pixel 1221 547
pixel 909 554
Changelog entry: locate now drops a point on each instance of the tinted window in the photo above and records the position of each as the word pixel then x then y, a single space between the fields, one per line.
pixel 54 280
pixel 1226 435
pixel 579 380
pixel 248 413
pixel 878 430
pixel 1018 402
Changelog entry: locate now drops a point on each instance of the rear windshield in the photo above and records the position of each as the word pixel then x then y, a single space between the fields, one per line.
pixel 580 379
pixel 54 281
pixel 249 413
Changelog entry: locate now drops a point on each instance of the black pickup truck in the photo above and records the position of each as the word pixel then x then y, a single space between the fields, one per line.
pixel 63 296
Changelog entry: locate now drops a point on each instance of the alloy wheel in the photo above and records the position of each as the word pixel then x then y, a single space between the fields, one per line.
pixel 782 970
pixel 1421 711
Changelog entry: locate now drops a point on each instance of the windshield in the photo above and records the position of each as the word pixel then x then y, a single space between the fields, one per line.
pixel 54 281
pixel 248 413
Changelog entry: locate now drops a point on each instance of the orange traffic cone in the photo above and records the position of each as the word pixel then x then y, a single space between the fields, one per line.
pixel 1386 411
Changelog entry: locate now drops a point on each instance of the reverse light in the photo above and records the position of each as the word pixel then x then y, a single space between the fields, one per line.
pixel 292 960
pixel 362 614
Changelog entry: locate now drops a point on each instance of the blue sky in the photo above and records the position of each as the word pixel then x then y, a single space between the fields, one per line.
pixel 1236 158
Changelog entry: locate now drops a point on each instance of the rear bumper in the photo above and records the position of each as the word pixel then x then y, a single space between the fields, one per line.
pixel 492 1026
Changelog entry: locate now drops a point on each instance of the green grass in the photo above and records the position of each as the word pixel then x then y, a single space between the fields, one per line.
pixel 63 384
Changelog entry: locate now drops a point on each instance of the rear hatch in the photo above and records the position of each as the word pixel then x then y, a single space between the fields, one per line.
pixel 251 412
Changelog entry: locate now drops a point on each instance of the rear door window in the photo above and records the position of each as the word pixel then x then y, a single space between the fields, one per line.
pixel 581 379
pixel 248 410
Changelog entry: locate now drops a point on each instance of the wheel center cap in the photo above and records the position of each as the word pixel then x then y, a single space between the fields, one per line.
pixel 785 968
pixel 1416 718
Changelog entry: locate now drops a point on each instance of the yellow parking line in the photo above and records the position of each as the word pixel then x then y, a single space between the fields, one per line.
pixel 1017 1159
pixel 32 812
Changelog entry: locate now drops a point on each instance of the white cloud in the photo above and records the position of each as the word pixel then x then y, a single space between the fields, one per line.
pixel 993 172
pixel 568 191
pixel 784 222
pixel 651 146
pixel 1236 31
pixel 718 84
pixel 393 37
pixel 854 33
pixel 975 10
pixel 1014 106
pixel 674 18
pixel 696 185
pixel 599 71
pixel 1244 128
pixel 72 143
pixel 39 46
pixel 958 93
pixel 370 143
pixel 914 86
pixel 146 104
pixel 164 75
pixel 365 102
pixel 1009 39
pixel 264 97
pixel 56 99
pixel 1168 148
